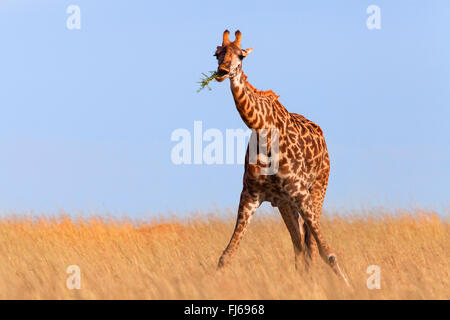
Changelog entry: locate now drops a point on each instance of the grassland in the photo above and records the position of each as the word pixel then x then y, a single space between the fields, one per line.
pixel 176 259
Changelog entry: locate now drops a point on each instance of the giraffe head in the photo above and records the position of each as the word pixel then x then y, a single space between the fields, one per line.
pixel 229 56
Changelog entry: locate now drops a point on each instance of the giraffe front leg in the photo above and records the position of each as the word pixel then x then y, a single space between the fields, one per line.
pixel 247 207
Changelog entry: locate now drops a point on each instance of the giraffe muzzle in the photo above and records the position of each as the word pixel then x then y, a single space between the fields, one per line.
pixel 222 73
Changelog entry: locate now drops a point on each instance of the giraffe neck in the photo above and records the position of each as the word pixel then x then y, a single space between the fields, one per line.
pixel 256 108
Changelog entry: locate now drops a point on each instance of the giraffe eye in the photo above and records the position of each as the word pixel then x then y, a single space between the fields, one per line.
pixel 241 57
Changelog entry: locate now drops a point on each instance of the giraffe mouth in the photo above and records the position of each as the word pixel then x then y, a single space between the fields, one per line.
pixel 221 75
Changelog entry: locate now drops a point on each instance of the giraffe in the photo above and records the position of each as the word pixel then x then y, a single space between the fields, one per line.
pixel 299 185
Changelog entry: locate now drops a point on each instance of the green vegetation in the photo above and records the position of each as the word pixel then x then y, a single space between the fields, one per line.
pixel 206 79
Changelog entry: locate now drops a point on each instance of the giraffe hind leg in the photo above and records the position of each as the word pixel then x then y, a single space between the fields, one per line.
pixel 306 207
pixel 311 247
pixel 317 195
pixel 294 224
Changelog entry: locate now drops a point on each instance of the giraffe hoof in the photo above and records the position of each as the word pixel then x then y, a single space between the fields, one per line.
pixel 332 259
pixel 222 263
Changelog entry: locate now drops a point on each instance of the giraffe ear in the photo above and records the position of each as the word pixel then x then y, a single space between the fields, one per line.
pixel 246 52
pixel 217 51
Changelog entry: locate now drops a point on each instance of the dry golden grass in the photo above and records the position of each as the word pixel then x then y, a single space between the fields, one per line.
pixel 177 259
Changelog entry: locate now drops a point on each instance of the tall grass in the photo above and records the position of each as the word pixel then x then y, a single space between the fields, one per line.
pixel 176 259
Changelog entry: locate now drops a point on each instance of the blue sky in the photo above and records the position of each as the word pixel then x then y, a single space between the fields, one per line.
pixel 87 115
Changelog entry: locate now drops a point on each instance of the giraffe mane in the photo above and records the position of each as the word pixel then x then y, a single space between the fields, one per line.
pixel 268 93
